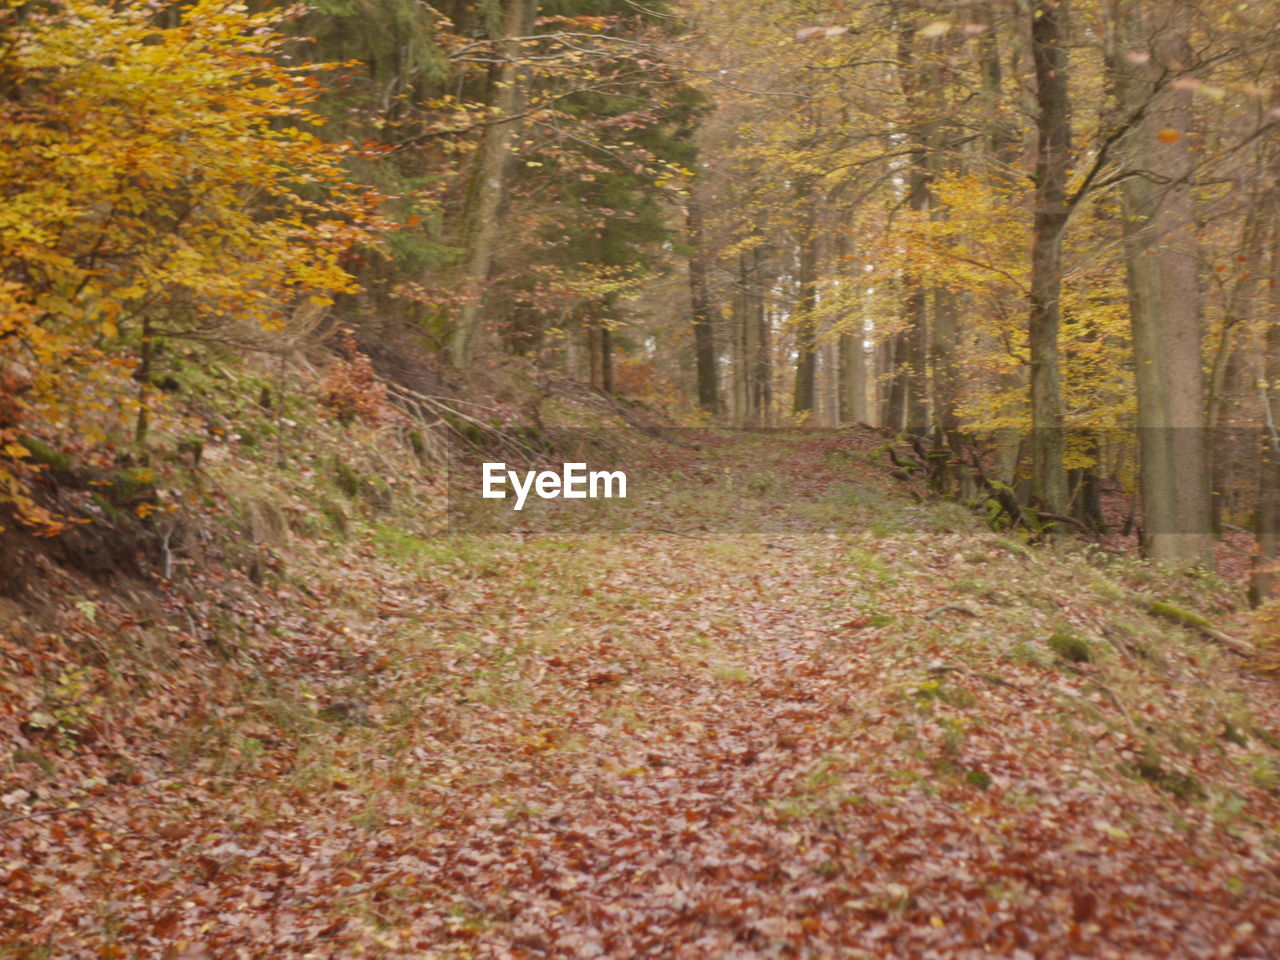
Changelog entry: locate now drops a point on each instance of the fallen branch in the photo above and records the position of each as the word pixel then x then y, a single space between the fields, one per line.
pixel 992 678
pixel 1111 695
pixel 1186 618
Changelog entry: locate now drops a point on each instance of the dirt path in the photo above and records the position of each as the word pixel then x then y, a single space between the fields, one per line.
pixel 786 744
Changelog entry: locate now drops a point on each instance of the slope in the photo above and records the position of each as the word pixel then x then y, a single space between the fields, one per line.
pixel 860 725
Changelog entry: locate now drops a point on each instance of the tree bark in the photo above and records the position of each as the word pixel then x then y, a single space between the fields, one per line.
pixel 944 376
pixel 596 353
pixel 700 299
pixel 1232 371
pixel 806 307
pixel 606 360
pixel 1053 127
pixel 143 376
pixel 481 217
pixel 1165 300
pixel 1183 316
pixel 1265 577
pixel 916 77
pixel 743 344
pixel 761 342
pixel 894 403
pixel 853 378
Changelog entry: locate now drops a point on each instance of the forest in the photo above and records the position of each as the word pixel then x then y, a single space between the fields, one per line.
pixel 928 350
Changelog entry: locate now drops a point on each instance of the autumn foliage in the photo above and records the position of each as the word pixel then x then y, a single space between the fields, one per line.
pixel 352 390
pixel 269 689
pixel 162 178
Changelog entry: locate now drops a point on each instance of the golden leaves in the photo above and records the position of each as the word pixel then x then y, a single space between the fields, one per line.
pixel 160 169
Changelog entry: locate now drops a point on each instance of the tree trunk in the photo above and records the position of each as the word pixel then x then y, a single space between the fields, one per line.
pixel 606 360
pixel 944 376
pixel 1165 304
pixel 595 352
pixel 1183 315
pixel 761 344
pixel 1053 126
pixel 1001 132
pixel 740 347
pixel 1264 579
pixel 853 378
pixel 700 299
pixel 1231 375
pixel 895 391
pixel 488 189
pixel 143 375
pixel 806 308
pixel 915 314
pixel 916 77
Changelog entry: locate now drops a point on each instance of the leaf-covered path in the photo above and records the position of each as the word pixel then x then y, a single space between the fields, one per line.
pixel 785 744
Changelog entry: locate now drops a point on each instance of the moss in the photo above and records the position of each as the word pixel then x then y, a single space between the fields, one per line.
pixel 131 486
pixel 110 511
pixel 1071 647
pixel 43 453
pixel 957 696
pixel 869 562
pixel 193 448
pixel 346 479
pixel 534 437
pixel 469 431
pixel 337 517
pixel 976 778
pixel 1265 773
pixel 418 444
pixel 1168 611
pixel 1181 785
pixel 1233 734
pixel 928 690
pixel 1148 767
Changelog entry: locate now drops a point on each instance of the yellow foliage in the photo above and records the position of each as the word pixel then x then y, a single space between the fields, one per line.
pixel 156 172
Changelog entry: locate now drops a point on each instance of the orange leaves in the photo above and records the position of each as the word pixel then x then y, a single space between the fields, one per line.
pixel 352 391
pixel 564 766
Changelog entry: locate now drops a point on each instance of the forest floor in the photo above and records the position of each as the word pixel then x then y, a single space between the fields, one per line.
pixel 871 728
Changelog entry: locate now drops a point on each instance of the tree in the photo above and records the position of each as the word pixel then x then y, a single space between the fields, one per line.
pixel 161 179
pixel 1053 159
pixel 481 215
pixel 708 380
